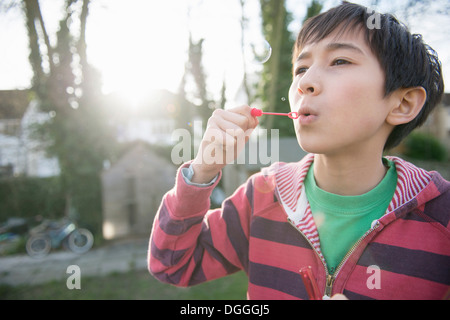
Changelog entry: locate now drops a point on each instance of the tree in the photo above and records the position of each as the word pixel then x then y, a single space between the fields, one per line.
pixel 314 9
pixel 195 69
pixel 276 75
pixel 243 26
pixel 68 88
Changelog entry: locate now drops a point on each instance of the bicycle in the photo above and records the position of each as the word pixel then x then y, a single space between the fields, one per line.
pixel 52 234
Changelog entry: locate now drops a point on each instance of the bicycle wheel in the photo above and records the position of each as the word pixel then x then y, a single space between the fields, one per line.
pixel 38 246
pixel 80 241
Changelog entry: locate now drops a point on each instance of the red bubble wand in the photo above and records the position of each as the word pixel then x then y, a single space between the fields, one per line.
pixel 310 283
pixel 258 113
pixel 293 115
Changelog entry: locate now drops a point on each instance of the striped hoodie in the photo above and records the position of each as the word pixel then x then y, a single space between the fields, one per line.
pixel 266 229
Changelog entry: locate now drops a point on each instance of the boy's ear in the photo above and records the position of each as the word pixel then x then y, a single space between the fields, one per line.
pixel 407 104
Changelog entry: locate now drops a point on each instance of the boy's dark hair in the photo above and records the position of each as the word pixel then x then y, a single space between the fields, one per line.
pixel 406 60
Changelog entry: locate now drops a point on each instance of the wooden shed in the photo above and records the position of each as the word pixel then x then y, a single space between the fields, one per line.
pixel 132 189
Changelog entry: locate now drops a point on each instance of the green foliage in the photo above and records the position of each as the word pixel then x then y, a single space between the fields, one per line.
pixel 314 9
pixel 423 146
pixel 276 77
pixel 30 197
pixel 70 91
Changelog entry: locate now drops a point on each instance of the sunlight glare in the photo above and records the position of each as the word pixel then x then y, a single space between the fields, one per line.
pixel 137 50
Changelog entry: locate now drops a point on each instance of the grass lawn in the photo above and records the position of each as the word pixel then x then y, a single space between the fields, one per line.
pixel 136 285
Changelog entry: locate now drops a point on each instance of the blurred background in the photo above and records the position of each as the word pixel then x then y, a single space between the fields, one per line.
pixel 91 92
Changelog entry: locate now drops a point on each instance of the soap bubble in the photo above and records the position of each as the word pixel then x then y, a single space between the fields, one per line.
pixel 258 52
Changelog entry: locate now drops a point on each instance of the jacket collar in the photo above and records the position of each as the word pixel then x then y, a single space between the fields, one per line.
pixel 411 182
pixel 289 178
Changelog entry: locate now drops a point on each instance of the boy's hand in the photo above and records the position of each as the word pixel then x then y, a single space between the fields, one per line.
pixel 339 296
pixel 226 133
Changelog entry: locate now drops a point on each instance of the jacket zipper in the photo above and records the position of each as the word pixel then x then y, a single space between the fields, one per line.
pixel 328 286
pixel 317 253
pixel 331 278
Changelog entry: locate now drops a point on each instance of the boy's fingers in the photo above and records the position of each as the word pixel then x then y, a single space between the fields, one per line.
pixel 339 296
pixel 223 124
pixel 245 111
pixel 241 116
pixel 225 136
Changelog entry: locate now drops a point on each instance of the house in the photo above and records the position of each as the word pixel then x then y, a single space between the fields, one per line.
pixel 153 119
pixel 20 152
pixel 132 189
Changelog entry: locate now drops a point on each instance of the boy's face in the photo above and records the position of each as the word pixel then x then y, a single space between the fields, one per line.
pixel 342 96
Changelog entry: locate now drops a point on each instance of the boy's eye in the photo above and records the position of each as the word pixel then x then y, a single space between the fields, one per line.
pixel 300 70
pixel 339 62
pixel 336 62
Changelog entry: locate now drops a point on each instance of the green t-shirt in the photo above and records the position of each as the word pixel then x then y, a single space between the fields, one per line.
pixel 342 220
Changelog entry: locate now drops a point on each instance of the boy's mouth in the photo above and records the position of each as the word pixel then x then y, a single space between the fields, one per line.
pixel 307 115
pixel 306 111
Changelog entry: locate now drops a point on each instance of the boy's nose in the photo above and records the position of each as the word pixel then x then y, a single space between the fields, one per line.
pixel 310 82
pixel 310 89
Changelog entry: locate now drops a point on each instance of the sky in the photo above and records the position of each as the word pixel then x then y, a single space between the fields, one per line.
pixel 141 45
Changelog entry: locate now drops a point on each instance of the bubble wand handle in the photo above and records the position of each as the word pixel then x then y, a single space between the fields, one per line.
pixel 310 283
pixel 258 113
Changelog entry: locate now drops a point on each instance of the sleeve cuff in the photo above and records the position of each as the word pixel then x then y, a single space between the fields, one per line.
pixel 188 173
pixel 188 199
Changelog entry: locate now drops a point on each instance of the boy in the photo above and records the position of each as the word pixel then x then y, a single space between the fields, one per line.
pixel 370 227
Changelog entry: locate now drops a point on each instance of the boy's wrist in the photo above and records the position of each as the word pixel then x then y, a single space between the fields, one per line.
pixel 179 200
pixel 204 174
pixel 188 173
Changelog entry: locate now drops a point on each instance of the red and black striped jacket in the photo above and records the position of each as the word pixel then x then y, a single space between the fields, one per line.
pixel 266 229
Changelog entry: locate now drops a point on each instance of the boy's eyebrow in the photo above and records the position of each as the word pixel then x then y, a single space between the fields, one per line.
pixel 332 47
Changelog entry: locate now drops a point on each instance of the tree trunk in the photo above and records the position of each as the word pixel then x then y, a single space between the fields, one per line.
pixel 31 7
pixel 81 47
pixel 280 16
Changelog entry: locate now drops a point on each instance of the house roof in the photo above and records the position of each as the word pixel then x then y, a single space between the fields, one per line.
pixel 13 103
pixel 126 157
